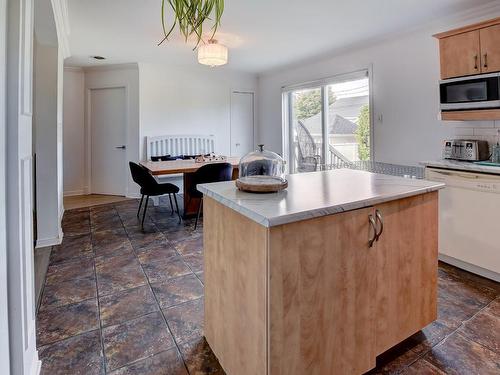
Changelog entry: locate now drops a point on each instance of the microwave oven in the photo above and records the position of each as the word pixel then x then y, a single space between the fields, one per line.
pixel 472 92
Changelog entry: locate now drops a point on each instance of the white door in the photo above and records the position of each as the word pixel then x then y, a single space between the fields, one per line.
pixel 242 123
pixel 108 122
pixel 19 182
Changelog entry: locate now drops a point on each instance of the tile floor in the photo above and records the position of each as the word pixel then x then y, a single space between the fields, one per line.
pixel 118 300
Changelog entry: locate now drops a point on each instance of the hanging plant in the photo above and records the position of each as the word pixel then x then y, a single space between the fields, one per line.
pixel 190 16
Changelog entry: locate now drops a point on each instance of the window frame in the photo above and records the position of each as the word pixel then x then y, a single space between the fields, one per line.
pixel 287 91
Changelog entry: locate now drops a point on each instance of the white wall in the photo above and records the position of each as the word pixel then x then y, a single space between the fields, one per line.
pixel 74 131
pixel 405 94
pixel 118 76
pixel 194 100
pixel 46 134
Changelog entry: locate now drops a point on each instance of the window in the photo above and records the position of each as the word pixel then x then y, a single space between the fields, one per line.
pixel 327 123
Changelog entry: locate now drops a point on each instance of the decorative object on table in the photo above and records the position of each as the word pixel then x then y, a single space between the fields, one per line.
pixel 209 158
pixel 262 171
pixel 190 16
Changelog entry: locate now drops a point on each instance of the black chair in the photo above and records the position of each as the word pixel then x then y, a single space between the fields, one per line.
pixel 208 173
pixel 151 188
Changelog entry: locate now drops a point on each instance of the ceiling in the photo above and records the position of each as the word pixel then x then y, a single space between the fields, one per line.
pixel 261 34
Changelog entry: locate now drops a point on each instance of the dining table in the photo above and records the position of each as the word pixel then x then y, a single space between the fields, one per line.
pixel 187 168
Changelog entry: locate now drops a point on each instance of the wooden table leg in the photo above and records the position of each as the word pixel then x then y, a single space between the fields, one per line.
pixel 190 203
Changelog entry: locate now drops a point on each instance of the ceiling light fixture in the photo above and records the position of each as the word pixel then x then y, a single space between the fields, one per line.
pixel 212 54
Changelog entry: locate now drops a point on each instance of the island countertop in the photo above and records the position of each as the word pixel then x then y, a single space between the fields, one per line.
pixel 315 194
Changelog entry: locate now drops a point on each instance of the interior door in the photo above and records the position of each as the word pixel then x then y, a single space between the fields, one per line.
pixel 108 121
pixel 490 49
pixel 242 123
pixel 460 55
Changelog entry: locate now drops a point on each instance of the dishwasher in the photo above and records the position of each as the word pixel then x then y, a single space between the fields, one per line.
pixel 469 220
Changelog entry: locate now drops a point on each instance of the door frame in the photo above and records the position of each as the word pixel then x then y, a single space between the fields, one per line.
pixel 88 134
pixel 241 91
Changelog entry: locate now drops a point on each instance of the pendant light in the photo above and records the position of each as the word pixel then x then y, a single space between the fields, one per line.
pixel 212 54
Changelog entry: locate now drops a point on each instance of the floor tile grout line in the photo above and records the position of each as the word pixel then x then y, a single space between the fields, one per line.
pixel 104 361
pixel 158 304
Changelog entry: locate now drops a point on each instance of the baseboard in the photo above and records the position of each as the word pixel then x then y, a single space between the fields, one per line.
pixel 72 193
pixel 36 365
pixel 44 242
pixel 470 267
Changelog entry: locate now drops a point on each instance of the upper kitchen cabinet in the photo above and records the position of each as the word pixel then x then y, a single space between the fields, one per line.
pixel 490 49
pixel 470 50
pixel 460 55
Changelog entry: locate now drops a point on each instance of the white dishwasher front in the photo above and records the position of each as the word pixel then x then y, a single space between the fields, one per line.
pixel 469 220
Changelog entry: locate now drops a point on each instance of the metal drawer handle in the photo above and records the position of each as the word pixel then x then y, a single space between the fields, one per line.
pixel 475 62
pixel 374 226
pixel 381 221
pixel 485 60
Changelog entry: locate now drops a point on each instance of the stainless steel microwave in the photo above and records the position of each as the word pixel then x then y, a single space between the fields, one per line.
pixel 473 92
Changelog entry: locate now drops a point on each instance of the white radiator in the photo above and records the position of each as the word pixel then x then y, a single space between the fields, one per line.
pixel 176 145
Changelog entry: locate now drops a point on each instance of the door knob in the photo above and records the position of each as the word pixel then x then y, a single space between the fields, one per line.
pixel 122 147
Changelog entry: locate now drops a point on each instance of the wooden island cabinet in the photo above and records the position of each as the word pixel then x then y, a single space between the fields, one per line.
pixel 298 285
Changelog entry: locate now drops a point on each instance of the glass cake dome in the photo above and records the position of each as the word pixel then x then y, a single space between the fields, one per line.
pixel 261 171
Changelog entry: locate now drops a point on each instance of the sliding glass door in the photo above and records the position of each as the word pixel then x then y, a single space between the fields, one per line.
pixel 327 123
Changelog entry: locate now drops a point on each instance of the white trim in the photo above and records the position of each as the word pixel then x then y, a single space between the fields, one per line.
pixel 470 267
pixel 72 193
pixel 61 19
pixel 45 242
pixel 75 69
pixel 337 78
pixel 88 134
pixel 93 68
pixel 36 367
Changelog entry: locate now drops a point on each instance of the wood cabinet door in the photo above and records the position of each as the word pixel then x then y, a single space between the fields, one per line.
pixel 406 266
pixel 460 55
pixel 321 294
pixel 490 49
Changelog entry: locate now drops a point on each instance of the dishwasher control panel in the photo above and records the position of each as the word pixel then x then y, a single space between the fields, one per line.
pixel 465 180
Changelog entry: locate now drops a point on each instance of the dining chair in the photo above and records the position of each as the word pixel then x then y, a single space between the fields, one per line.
pixel 215 172
pixel 151 188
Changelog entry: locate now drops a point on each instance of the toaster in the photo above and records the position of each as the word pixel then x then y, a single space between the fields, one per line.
pixel 466 150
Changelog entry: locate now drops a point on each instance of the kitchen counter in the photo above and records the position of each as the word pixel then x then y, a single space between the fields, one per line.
pixel 321 278
pixel 316 194
pixel 461 166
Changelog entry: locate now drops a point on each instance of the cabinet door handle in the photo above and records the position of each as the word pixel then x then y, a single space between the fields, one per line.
pixel 485 61
pixel 373 225
pixel 475 62
pixel 381 221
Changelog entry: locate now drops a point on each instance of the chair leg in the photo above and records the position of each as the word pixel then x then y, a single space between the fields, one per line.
pixel 140 205
pixel 177 207
pixel 145 210
pixel 171 206
pixel 198 215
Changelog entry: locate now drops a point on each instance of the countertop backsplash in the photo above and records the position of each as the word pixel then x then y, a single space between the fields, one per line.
pixel 481 131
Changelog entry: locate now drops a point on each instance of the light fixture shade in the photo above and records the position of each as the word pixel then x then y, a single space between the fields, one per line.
pixel 212 54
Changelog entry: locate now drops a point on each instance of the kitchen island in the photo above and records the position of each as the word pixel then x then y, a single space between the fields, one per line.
pixel 320 278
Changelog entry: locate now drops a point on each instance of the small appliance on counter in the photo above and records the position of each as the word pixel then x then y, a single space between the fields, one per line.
pixel 466 150
pixel 261 171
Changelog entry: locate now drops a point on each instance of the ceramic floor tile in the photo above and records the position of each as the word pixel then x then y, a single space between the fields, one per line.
pixel 457 355
pixel 62 322
pixel 175 291
pixel 122 306
pixel 158 271
pixel 72 247
pixel 494 307
pixel 119 273
pixel 68 292
pixel 111 243
pixel 201 276
pixel 76 228
pixel 135 339
pixel 157 254
pixel 431 335
pixel 186 320
pixel 483 328
pixel 190 246
pixel 78 268
pixel 199 358
pixel 194 261
pixel 78 355
pixel 422 367
pixel 164 363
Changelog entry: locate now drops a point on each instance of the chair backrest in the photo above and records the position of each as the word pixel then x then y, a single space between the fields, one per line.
pixel 141 175
pixel 215 172
pixel 307 158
